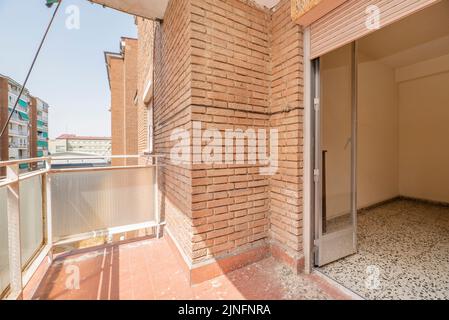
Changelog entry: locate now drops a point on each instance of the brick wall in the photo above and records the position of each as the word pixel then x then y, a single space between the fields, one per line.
pixel 130 88
pixel 32 142
pixel 4 141
pixel 122 70
pixel 230 90
pixel 172 99
pixel 116 76
pixel 230 65
pixel 145 31
pixel 286 107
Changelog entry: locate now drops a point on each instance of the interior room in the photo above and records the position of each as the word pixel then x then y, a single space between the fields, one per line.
pixel 402 157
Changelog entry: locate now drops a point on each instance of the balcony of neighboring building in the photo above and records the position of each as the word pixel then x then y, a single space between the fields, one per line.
pixel 18 145
pixel 42 134
pixel 43 137
pixel 42 125
pixel 22 105
pixel 43 118
pixel 17 132
pixel 19 117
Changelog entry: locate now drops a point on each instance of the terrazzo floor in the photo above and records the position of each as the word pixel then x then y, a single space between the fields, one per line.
pixel 403 253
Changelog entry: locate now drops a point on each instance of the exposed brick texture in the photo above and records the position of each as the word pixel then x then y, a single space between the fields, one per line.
pixel 130 87
pixel 286 106
pixel 230 90
pixel 4 142
pixel 33 128
pixel 116 77
pixel 231 65
pixel 122 70
pixel 172 99
pixel 145 31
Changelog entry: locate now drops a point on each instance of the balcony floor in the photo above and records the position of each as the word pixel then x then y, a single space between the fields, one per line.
pixel 149 269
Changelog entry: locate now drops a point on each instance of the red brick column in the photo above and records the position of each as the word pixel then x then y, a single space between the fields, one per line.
pixel 286 107
pixel 116 81
pixel 4 140
pixel 33 128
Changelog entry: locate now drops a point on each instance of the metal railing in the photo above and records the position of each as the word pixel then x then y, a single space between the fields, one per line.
pixel 46 206
pixel 18 145
pixel 22 133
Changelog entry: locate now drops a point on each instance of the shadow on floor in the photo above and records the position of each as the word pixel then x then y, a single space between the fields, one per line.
pixel 148 269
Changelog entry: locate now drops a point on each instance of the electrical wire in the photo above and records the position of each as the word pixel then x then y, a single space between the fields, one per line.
pixel 31 68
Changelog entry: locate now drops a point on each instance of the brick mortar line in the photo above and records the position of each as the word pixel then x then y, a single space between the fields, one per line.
pixel 254 112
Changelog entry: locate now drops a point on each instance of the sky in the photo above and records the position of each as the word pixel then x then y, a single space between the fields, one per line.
pixel 70 73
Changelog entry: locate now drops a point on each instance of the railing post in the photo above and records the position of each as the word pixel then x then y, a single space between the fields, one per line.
pixel 15 259
pixel 47 199
pixel 156 198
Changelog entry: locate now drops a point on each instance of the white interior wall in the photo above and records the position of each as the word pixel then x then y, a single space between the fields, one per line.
pixel 403 113
pixel 424 130
pixel 336 129
pixel 403 131
pixel 378 133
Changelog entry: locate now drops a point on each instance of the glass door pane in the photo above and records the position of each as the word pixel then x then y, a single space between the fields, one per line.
pixel 335 154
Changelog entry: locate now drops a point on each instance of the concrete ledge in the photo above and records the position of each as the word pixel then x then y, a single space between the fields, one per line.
pixel 296 264
pixel 220 266
pixel 216 267
pixel 37 277
pixel 227 264
pixel 334 288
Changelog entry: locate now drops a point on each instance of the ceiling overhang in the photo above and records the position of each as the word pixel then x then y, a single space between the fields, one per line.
pixel 153 9
pixel 267 3
pixel 305 12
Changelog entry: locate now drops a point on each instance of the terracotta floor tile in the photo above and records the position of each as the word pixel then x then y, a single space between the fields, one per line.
pixel 149 269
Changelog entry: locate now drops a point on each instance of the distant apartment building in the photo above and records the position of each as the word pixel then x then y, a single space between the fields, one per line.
pixel 27 132
pixel 85 145
pixel 122 76
pixel 42 127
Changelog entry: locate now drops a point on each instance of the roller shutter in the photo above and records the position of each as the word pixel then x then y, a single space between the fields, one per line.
pixel 347 22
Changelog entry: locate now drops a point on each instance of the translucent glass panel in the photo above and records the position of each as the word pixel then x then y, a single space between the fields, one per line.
pixel 93 200
pixel 4 260
pixel 31 217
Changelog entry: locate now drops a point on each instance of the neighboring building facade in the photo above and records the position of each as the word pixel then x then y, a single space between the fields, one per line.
pixel 70 143
pixel 237 64
pixel 42 128
pixel 27 133
pixel 122 76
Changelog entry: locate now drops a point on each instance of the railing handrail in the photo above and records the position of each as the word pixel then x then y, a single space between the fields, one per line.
pixel 50 158
pixel 90 169
pixel 106 157
pixel 19 161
